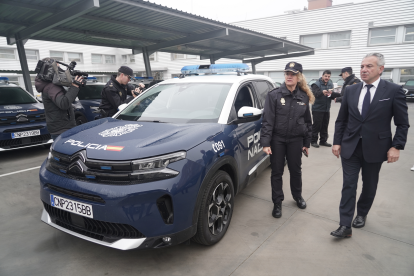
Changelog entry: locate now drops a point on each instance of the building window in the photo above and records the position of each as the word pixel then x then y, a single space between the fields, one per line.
pixel 109 59
pixel 191 56
pixel 314 41
pixel 128 59
pixel 14 80
pixel 387 74
pixel 96 59
pixel 57 55
pixel 32 55
pixel 277 76
pixel 342 39
pixel 75 57
pixel 409 34
pixel 406 74
pixel 382 35
pixel 153 57
pixel 177 56
pixel 7 54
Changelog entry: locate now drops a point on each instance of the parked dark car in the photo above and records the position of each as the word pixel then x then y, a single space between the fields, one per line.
pixel 409 90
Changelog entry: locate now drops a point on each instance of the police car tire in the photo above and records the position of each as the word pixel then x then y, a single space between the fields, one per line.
pixel 220 184
pixel 81 120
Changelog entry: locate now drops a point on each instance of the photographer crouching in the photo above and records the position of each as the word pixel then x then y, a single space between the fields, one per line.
pixel 116 90
pixel 50 80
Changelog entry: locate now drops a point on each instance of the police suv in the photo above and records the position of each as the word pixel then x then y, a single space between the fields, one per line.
pixel 86 105
pixel 165 168
pixel 22 118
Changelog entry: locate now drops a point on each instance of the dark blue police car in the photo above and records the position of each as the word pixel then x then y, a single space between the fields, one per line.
pixel 22 118
pixel 165 168
pixel 86 105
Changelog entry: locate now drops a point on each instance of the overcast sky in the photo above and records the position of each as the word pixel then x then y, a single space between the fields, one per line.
pixel 238 10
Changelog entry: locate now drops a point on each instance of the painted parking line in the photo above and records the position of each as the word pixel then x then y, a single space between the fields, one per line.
pixel 34 168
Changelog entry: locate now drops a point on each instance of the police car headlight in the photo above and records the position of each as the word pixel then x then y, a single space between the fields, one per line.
pixel 156 167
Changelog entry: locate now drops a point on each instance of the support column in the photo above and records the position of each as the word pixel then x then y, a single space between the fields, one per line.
pixel 254 67
pixel 212 60
pixel 23 64
pixel 147 64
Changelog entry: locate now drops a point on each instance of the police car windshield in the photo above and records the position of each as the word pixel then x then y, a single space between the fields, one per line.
pixel 90 92
pixel 14 95
pixel 179 103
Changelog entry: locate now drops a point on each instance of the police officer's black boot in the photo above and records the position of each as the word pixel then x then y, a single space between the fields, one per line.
pixel 277 210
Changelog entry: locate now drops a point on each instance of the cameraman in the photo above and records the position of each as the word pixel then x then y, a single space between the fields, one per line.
pixel 58 104
pixel 116 90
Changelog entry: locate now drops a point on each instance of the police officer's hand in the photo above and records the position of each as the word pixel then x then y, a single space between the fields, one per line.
pixel 141 84
pixel 267 150
pixel 306 149
pixel 336 150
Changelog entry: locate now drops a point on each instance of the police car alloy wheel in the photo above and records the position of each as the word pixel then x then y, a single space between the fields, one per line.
pixel 216 210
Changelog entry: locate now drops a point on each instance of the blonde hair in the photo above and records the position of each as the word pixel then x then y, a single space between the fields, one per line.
pixel 302 83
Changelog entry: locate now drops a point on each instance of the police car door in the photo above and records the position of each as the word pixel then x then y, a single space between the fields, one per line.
pixel 248 134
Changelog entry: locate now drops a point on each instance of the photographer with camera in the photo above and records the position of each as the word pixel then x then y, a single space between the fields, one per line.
pixel 116 90
pixel 56 100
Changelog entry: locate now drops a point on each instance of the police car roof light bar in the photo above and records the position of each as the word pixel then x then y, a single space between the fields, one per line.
pixel 215 68
pixel 144 78
pixel 4 79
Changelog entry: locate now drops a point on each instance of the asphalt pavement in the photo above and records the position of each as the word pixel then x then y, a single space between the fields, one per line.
pixel 255 243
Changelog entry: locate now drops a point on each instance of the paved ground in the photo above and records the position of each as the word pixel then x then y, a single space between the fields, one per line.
pixel 255 244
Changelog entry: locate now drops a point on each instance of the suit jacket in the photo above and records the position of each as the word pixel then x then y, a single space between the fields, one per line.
pixel 388 102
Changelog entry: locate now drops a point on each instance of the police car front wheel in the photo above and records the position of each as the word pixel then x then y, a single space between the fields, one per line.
pixel 216 209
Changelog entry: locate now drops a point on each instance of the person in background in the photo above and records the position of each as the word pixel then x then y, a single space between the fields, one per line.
pixel 349 79
pixel 116 90
pixel 286 132
pixel 323 91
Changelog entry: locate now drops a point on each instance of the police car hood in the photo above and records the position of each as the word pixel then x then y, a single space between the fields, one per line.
pixel 111 139
pixel 10 110
pixel 91 102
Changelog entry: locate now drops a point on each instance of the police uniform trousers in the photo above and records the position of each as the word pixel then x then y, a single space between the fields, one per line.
pixel 320 125
pixel 370 175
pixel 292 150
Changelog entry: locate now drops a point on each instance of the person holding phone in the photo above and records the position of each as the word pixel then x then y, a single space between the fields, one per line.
pixel 286 133
pixel 323 91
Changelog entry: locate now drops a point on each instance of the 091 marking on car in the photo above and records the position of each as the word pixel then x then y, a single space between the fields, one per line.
pixel 72 206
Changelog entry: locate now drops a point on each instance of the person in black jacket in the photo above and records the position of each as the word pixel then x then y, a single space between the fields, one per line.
pixel 349 78
pixel 58 104
pixel 286 132
pixel 116 90
pixel 323 91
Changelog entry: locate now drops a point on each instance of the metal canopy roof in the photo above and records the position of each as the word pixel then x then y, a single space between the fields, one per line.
pixel 135 24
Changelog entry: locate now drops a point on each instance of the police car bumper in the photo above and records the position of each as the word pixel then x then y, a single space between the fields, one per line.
pixel 124 216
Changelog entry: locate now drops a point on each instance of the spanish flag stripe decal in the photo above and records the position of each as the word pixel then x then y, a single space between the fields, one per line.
pixel 114 148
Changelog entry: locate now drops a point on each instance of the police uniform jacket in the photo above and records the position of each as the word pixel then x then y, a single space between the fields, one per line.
pixel 350 80
pixel 286 117
pixel 113 95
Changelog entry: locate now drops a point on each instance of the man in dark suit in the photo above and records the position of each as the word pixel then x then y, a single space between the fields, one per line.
pixel 363 138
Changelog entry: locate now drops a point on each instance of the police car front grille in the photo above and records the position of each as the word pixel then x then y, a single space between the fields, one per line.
pixel 80 195
pixel 26 141
pixel 31 118
pixel 119 173
pixel 96 229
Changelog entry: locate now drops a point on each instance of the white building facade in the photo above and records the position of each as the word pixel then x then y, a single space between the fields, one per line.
pixel 341 36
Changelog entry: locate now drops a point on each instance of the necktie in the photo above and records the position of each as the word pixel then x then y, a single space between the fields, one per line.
pixel 367 102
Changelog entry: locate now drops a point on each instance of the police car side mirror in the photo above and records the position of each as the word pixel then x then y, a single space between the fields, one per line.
pixel 248 111
pixel 122 107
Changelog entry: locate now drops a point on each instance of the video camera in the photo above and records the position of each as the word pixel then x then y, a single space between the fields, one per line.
pixel 49 71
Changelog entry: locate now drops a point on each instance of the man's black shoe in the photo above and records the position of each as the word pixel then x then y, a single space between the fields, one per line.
pixel 342 232
pixel 315 145
pixel 277 210
pixel 300 202
pixel 325 144
pixel 359 221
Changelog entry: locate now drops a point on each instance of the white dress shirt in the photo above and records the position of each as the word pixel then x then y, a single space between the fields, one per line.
pixel 364 91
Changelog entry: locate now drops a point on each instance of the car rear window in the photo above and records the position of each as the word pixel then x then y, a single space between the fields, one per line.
pixel 14 95
pixel 90 92
pixel 179 103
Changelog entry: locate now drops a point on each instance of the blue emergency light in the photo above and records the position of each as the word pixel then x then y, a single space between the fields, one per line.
pixel 215 68
pixel 144 78
pixel 91 78
pixel 5 79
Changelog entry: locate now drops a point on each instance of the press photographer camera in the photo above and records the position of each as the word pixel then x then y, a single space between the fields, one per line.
pixel 50 71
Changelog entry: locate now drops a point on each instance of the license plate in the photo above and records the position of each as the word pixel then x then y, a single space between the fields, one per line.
pixel 71 206
pixel 25 133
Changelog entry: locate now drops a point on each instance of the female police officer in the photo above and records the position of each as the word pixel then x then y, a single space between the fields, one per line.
pixel 286 132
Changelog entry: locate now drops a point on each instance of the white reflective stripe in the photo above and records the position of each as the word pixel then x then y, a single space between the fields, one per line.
pixel 6 174
pixel 122 244
pixel 258 164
